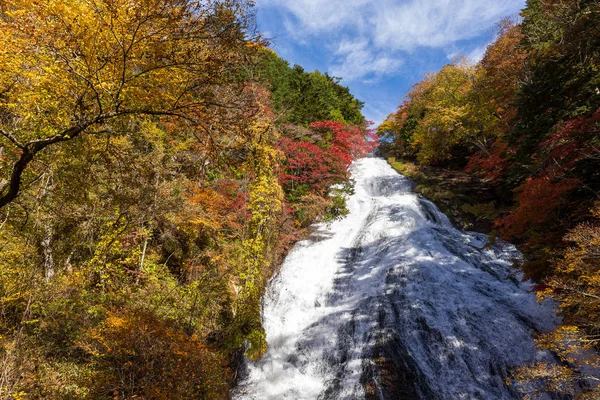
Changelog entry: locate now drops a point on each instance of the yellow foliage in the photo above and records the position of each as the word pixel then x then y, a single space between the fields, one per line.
pixel 181 366
pixel 576 285
pixel 265 203
pixel 75 67
pixel 453 113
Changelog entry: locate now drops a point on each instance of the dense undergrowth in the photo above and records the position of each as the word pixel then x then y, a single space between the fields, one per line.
pixel 156 163
pixel 525 123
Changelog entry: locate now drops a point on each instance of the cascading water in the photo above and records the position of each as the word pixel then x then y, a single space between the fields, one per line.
pixel 392 302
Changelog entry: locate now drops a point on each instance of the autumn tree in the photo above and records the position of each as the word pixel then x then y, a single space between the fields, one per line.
pixel 318 161
pixel 561 39
pixel 70 68
pixel 123 128
pixel 449 112
pixel 576 284
pixel 502 71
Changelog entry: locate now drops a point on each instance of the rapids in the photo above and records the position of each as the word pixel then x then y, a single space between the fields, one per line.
pixel 393 302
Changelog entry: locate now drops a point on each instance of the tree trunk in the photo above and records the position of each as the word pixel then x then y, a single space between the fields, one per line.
pixel 49 267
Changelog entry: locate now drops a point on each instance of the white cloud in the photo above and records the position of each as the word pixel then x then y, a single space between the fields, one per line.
pixel 371 37
pixel 358 59
pixel 315 16
pixel 436 23
pixel 477 54
pixel 399 24
pixel 474 55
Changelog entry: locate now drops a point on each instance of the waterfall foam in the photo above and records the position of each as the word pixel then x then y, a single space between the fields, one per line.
pixel 392 302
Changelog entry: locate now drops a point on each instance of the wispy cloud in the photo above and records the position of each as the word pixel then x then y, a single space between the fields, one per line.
pixel 371 39
pixel 356 59
pixel 477 54
pixel 411 24
pixel 316 16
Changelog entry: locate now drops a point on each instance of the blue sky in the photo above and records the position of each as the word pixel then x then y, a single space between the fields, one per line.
pixel 380 48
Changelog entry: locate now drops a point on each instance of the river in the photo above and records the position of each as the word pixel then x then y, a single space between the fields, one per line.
pixel 393 302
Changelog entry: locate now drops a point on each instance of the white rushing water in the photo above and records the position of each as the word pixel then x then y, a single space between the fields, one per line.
pixel 392 302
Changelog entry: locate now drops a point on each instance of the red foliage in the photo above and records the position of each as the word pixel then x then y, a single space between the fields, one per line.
pixel 538 202
pixel 320 166
pixel 351 141
pixel 305 163
pixel 234 209
pixel 572 142
pixel 537 216
pixel 504 69
pixel 493 166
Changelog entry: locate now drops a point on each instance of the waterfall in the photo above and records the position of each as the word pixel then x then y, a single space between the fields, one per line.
pixel 393 302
